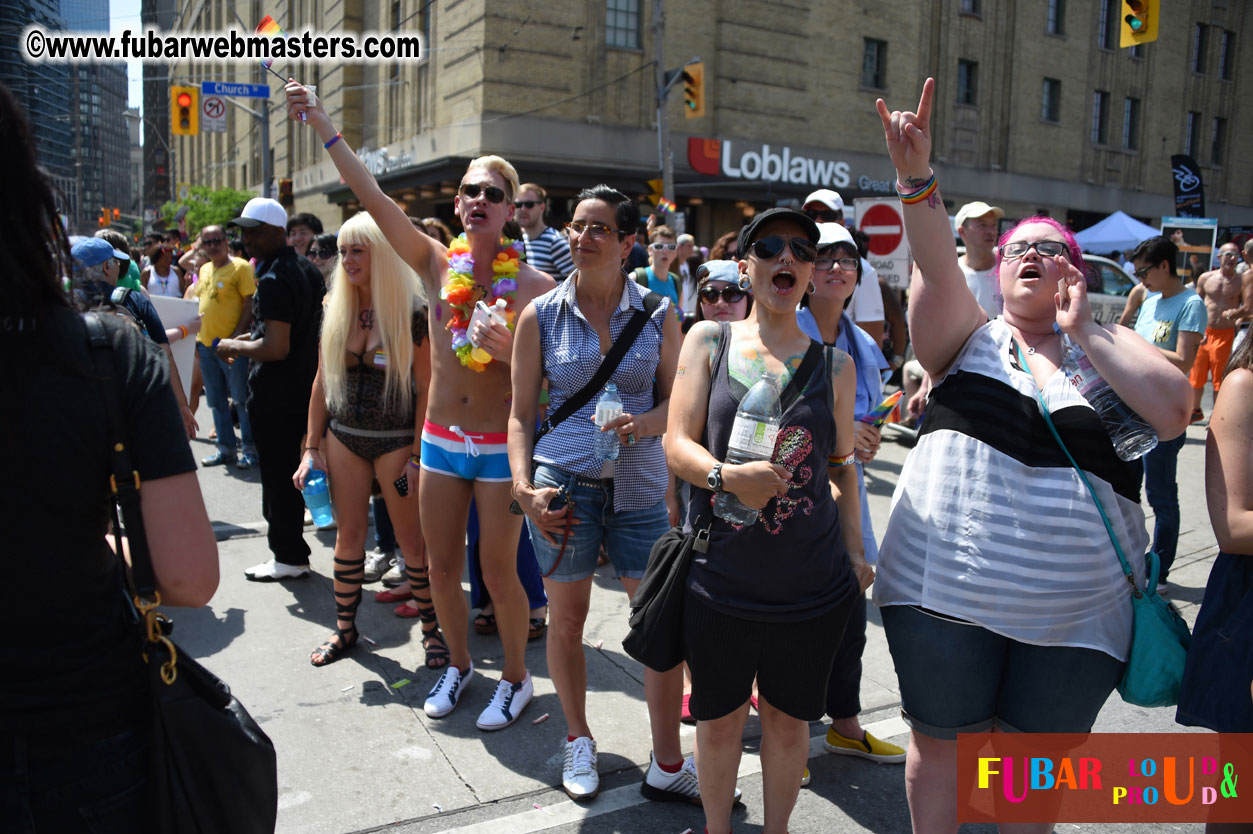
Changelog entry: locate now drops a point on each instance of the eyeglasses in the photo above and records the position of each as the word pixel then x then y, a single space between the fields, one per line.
pixel 663 247
pixel 322 253
pixel 1142 271
pixel 1225 255
pixel 596 231
pixel 1046 249
pixel 472 190
pixel 770 247
pixel 828 262
pixel 527 204
pixel 212 241
pixel 823 215
pixel 730 295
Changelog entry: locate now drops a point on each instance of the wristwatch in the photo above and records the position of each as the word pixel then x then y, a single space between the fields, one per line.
pixel 714 478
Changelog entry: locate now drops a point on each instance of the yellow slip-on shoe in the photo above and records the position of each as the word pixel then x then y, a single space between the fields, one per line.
pixel 872 748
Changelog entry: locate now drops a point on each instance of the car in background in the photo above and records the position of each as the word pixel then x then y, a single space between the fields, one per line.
pixel 1108 288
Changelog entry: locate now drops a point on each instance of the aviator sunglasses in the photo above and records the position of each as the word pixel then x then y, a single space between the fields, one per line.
pixel 771 246
pixel 730 295
pixel 472 190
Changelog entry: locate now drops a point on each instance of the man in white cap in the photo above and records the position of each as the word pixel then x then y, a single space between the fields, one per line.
pixel 977 227
pixel 283 350
pixel 866 308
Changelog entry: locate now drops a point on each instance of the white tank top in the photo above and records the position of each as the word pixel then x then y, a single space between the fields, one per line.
pixel 164 284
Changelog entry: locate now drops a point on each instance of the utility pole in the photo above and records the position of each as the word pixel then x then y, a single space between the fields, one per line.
pixel 664 157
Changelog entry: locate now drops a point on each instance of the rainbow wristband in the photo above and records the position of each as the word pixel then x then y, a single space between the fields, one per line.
pixel 334 139
pixel 838 461
pixel 415 461
pixel 918 196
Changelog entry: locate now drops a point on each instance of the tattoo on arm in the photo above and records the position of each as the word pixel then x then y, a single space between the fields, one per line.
pixel 934 199
pixel 838 361
pixel 917 182
pixel 681 370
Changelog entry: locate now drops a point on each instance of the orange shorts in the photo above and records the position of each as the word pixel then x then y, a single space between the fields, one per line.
pixel 1211 357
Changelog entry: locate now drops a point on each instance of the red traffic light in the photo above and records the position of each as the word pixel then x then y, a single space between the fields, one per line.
pixel 184 100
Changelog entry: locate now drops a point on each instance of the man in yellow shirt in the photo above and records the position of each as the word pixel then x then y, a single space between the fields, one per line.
pixel 225 292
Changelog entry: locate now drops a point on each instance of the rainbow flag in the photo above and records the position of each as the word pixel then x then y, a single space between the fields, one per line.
pixel 888 411
pixel 667 205
pixel 269 28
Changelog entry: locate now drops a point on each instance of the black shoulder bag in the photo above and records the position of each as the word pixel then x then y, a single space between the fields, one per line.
pixel 655 630
pixel 212 768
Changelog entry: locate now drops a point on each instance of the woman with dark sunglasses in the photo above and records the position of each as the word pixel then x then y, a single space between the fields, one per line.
pixel 768 600
pixel 721 298
pixel 324 255
pixel 1002 599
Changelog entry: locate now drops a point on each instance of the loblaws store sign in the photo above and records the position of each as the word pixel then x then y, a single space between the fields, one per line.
pixel 739 160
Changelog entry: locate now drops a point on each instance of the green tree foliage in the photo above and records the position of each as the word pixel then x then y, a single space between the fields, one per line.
pixel 207 207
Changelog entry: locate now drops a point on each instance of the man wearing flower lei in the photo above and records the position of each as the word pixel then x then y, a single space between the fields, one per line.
pixel 464 451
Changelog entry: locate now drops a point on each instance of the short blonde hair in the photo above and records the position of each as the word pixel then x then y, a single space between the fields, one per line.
pixel 662 231
pixel 501 166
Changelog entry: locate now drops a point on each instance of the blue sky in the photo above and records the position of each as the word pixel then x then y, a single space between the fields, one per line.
pixel 124 14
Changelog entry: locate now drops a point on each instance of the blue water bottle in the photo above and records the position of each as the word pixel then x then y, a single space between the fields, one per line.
pixel 317 495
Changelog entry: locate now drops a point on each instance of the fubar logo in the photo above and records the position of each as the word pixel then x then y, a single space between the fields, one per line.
pixel 713 157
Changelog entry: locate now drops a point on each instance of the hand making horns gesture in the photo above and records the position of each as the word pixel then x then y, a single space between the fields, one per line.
pixel 908 136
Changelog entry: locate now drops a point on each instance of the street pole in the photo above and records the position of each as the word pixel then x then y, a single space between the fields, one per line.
pixel 664 156
pixel 267 162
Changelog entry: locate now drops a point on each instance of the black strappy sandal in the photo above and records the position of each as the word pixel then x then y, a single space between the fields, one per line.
pixel 331 651
pixel 433 643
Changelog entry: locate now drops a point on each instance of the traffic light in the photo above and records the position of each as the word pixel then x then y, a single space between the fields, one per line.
pixel 1139 22
pixel 694 90
pixel 184 111
pixel 103 220
pixel 285 198
pixel 117 214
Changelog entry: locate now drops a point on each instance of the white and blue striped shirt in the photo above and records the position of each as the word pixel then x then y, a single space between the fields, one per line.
pixel 570 348
pixel 549 252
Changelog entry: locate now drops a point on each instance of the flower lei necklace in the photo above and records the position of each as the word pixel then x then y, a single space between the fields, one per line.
pixel 461 293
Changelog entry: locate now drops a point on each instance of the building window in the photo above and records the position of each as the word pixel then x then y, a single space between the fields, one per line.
pixel 1100 117
pixel 1130 123
pixel 971 7
pixel 1216 141
pixel 1200 44
pixel 1106 27
pixel 622 23
pixel 874 62
pixel 1051 102
pixel 1192 133
pixel 1056 17
pixel 1137 51
pixel 1226 55
pixel 967 77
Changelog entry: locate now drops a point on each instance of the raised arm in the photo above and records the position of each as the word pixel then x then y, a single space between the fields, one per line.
pixel 942 310
pixel 1229 464
pixel 414 247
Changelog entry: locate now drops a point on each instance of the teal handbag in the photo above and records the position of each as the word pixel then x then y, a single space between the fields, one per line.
pixel 1159 636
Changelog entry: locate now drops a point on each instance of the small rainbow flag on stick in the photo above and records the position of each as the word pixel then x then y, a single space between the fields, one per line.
pixel 269 28
pixel 667 205
pixel 887 411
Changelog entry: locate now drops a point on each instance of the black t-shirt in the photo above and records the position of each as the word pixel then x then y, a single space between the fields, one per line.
pixel 289 289
pixel 78 664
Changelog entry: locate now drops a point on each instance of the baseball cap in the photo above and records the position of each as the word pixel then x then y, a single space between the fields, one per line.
pixel 829 233
pixel 977 209
pixel 728 271
pixel 93 251
pixel 830 199
pixel 749 232
pixel 262 210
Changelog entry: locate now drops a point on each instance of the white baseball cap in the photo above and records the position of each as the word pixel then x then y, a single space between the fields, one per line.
pixel 830 199
pixel 977 209
pixel 829 233
pixel 262 210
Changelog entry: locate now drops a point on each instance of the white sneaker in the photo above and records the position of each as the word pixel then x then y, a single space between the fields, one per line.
pixel 443 697
pixel 273 571
pixel 377 562
pixel 507 704
pixel 396 573
pixel 683 786
pixel 579 778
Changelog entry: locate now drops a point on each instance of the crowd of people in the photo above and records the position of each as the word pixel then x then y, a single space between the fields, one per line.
pixel 426 374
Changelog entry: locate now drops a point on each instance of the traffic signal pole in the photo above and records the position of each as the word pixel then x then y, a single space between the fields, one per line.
pixel 666 79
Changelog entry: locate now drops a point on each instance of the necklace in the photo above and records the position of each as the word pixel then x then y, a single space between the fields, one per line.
pixel 461 292
pixel 1030 347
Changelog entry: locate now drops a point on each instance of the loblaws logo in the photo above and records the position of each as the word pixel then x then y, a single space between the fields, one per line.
pixel 713 157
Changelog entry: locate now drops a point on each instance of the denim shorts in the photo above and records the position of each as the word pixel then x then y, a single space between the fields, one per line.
pixel 958 677
pixel 628 537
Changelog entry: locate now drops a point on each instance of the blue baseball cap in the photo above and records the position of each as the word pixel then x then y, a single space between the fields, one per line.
pixel 94 251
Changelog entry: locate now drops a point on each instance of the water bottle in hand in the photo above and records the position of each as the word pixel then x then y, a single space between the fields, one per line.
pixel 753 435
pixel 317 496
pixel 608 409
pixel 1131 436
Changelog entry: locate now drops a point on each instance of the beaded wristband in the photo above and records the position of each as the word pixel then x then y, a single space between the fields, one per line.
pixel 334 139
pixel 838 461
pixel 918 196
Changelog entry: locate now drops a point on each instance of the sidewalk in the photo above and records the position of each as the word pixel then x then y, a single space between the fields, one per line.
pixel 356 752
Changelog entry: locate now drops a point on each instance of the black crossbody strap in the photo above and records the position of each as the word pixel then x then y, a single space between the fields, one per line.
pixel 610 364
pixel 123 478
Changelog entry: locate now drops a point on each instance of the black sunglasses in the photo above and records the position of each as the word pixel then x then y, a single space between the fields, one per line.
pixel 823 215
pixel 730 295
pixel 472 190
pixel 771 246
pixel 528 204
pixel 322 253
pixel 1142 271
pixel 212 241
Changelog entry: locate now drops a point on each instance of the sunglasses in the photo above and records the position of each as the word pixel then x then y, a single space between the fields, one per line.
pixel 472 190
pixel 823 216
pixel 322 253
pixel 212 241
pixel 730 295
pixel 527 204
pixel 771 246
pixel 1141 272
pixel 663 247
pixel 1225 255
pixel 596 231
pixel 1046 248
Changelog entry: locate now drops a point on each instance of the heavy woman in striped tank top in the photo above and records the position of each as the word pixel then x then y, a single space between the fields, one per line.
pixel 1003 602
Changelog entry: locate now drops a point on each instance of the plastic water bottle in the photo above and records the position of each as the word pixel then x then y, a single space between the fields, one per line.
pixel 608 408
pixel 1131 436
pixel 317 496
pixel 753 435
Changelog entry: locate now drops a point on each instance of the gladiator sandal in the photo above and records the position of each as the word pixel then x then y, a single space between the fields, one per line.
pixel 437 655
pixel 346 603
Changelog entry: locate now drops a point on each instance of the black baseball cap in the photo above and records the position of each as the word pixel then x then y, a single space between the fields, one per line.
pixel 749 233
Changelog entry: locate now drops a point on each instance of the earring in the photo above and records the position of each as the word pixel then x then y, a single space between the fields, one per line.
pixel 744 284
pixel 810 289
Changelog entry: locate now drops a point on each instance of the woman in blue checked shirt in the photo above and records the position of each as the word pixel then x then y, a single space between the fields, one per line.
pixel 562 337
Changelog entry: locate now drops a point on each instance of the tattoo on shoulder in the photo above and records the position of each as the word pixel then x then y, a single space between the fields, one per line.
pixel 838 361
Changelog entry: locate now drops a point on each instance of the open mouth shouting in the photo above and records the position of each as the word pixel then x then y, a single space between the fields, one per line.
pixel 1030 271
pixel 783 282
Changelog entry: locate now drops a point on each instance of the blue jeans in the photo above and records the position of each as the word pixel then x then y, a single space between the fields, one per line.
pixel 1162 491
pixel 221 378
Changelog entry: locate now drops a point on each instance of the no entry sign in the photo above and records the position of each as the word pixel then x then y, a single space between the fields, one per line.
pixel 880 219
